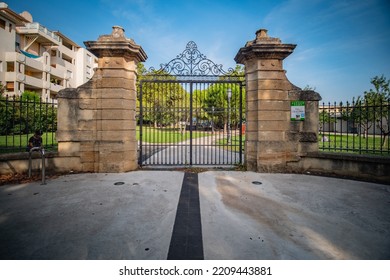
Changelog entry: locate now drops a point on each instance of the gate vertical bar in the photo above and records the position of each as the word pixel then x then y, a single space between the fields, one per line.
pixel 240 126
pixel 191 121
pixel 141 122
pixel 159 132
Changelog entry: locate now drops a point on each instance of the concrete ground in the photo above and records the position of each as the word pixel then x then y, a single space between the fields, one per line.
pixel 244 215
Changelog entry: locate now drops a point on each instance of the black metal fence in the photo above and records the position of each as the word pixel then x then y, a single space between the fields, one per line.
pixel 20 117
pixel 361 127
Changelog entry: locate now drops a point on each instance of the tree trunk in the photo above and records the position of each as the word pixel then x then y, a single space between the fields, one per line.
pixel 384 139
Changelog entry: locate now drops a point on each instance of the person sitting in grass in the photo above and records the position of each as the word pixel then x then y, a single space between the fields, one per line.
pixel 35 140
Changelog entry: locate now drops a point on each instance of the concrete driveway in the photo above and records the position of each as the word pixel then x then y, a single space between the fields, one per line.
pixel 210 215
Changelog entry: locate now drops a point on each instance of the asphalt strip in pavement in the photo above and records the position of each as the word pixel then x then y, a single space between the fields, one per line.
pixel 186 242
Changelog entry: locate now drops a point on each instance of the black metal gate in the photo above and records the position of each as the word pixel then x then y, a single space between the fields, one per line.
pixel 190 113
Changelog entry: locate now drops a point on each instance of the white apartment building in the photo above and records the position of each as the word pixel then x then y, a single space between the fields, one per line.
pixel 36 59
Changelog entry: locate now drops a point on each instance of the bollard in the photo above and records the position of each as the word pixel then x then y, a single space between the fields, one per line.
pixel 42 150
pixel 43 167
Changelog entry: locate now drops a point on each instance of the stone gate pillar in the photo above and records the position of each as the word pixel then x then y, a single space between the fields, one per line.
pixel 272 139
pixel 97 121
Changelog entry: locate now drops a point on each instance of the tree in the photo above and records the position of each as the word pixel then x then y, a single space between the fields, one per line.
pixel 373 108
pixel 216 102
pixel 379 99
pixel 162 100
pixel 2 89
pixel 25 114
pixel 5 112
pixel 167 102
pixel 326 118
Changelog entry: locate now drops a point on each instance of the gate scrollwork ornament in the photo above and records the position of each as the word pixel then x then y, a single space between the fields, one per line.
pixel 191 62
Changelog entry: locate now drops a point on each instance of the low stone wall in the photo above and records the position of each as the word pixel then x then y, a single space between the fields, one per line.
pixel 361 167
pixel 18 163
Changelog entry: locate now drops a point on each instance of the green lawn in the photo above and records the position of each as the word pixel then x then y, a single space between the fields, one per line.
pixel 337 143
pixel 345 143
pixel 353 143
pixel 18 143
pixel 167 135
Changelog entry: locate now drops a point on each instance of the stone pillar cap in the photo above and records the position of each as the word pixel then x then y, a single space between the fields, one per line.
pixel 263 38
pixel 264 47
pixel 116 44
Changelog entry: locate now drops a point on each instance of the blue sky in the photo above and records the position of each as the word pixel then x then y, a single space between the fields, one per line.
pixel 341 44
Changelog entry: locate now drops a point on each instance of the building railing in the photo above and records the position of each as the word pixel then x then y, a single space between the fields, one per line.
pixel 20 117
pixel 36 27
pixel 359 127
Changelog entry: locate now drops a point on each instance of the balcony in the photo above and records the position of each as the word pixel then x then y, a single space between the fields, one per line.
pixel 69 65
pixel 15 56
pixel 34 63
pixel 56 88
pixel 69 54
pixel 57 61
pixel 58 71
pixel 33 82
pixel 10 76
pixel 45 35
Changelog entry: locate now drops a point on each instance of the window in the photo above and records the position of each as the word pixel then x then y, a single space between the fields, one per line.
pixel 10 86
pixel 1 66
pixel 10 27
pixel 89 59
pixel 2 23
pixel 10 67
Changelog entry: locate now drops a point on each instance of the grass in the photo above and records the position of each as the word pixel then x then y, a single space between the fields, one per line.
pixel 18 143
pixel 337 143
pixel 354 144
pixel 167 135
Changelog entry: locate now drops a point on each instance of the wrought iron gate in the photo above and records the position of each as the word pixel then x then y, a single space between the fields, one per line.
pixel 190 113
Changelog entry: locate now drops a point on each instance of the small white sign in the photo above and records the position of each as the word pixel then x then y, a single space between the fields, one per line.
pixel 297 110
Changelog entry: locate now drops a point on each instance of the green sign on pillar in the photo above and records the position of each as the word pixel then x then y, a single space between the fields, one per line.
pixel 297 110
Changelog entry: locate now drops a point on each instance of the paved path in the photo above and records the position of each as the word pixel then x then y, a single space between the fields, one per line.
pixel 201 155
pixel 204 152
pixel 210 215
